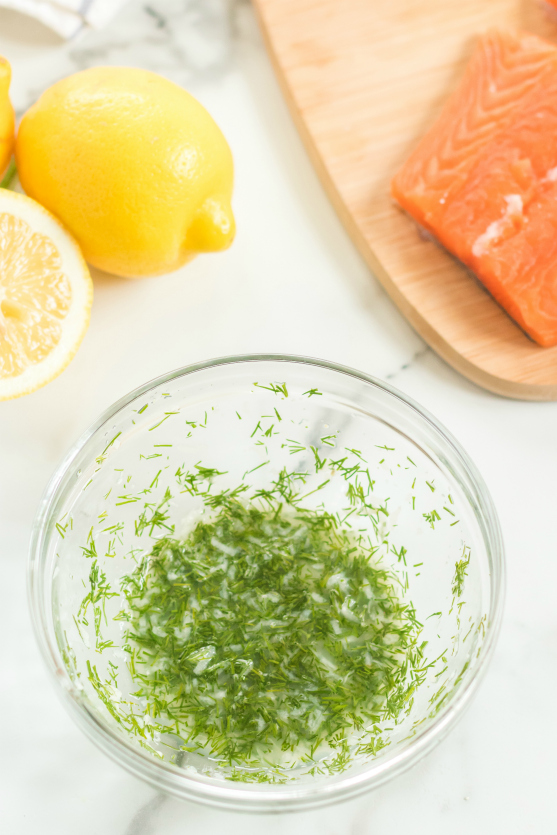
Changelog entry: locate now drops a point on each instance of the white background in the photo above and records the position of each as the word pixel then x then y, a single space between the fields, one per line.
pixel 291 283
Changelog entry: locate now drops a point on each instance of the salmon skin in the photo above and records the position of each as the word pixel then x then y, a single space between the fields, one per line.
pixel 483 181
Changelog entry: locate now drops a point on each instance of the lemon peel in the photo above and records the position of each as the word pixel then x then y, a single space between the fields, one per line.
pixel 7 119
pixel 134 167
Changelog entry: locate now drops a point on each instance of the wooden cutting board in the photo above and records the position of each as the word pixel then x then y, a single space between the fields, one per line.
pixel 364 80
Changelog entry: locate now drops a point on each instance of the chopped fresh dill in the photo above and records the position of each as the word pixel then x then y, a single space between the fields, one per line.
pixel 468 633
pixel 276 388
pixel 460 572
pixel 62 529
pixel 126 500
pixel 355 452
pixel 432 517
pixel 272 638
pixel 166 416
pixel 102 456
pixel 100 592
pixel 264 464
pixel 269 634
pixel 294 446
pixel 154 516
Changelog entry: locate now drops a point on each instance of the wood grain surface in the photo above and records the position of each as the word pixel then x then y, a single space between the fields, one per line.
pixel 364 80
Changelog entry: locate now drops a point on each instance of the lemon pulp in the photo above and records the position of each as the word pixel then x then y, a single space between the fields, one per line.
pixel 45 296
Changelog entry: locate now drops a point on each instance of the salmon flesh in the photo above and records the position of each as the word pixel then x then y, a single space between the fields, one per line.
pixel 483 181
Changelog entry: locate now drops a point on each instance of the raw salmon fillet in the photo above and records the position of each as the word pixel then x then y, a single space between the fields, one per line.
pixel 483 181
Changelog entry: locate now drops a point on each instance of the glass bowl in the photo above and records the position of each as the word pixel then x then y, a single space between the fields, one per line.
pixel 122 486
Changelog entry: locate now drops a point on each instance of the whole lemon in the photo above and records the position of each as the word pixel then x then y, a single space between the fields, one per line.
pixel 6 116
pixel 134 167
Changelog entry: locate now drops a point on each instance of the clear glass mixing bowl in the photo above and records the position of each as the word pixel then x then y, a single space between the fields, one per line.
pixel 251 417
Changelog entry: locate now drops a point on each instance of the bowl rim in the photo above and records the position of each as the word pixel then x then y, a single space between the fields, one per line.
pixel 226 794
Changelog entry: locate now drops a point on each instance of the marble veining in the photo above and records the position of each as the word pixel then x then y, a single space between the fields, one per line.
pixel 144 822
pixel 417 355
pixel 186 41
pixel 293 283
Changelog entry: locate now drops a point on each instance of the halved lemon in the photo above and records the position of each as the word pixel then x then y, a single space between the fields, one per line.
pixel 45 296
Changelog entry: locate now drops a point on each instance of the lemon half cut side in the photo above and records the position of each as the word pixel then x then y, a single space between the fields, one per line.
pixel 45 296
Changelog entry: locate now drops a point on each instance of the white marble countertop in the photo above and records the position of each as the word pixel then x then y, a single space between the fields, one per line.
pixel 291 283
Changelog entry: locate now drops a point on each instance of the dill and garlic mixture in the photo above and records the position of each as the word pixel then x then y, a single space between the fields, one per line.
pixel 269 638
pixel 275 640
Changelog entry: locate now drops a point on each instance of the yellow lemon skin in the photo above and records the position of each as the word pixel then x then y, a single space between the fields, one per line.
pixel 7 121
pixel 132 165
